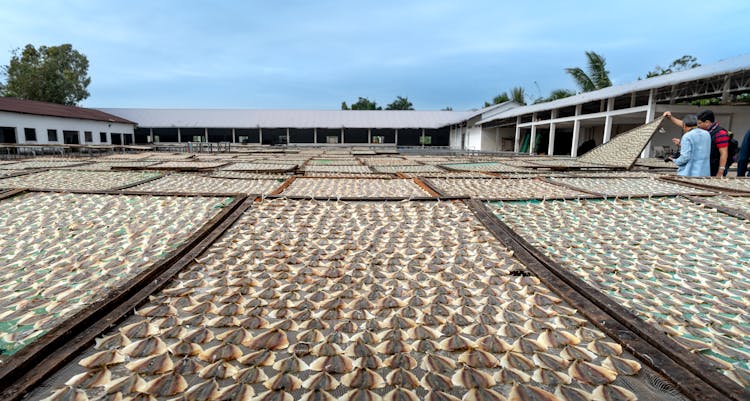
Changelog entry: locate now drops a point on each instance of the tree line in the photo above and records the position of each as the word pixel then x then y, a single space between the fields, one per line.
pixel 363 103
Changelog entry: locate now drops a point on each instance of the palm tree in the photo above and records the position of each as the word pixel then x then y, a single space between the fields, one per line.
pixel 597 77
pixel 560 94
pixel 518 95
pixel 555 94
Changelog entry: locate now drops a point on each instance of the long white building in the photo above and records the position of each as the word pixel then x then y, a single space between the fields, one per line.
pixel 399 127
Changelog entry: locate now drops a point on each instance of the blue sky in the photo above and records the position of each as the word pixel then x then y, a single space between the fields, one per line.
pixel 315 54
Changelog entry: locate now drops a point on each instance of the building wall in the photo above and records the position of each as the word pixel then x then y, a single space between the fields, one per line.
pixel 740 125
pixel 485 139
pixel 507 138
pixel 455 137
pixel 42 123
pixel 490 140
pixel 474 138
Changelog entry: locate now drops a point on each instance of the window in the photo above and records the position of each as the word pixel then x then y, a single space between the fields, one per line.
pixel 103 137
pixel 52 135
pixel 88 137
pixel 30 134
pixel 425 140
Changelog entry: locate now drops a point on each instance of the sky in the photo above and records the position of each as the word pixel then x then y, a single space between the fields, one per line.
pixel 302 54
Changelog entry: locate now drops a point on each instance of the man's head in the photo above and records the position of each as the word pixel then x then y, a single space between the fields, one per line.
pixel 689 122
pixel 706 119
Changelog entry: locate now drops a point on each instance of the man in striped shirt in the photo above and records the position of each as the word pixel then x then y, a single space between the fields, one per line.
pixel 719 140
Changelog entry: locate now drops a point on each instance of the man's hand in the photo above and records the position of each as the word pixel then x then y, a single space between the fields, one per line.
pixel 723 160
pixel 676 141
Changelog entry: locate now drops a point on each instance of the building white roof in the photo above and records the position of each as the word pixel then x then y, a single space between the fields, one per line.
pixel 728 66
pixel 238 118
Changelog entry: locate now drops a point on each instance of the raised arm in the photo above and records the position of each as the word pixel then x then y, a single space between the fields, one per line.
pixel 676 121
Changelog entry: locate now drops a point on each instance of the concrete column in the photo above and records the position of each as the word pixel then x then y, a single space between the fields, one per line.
pixel 551 145
pixel 205 133
pixel 552 127
pixel 608 120
pixel 315 136
pixel 369 135
pixel 234 137
pixel 576 133
pixel 179 135
pixel 651 110
pixel 423 137
pixel 260 135
pixel 150 135
pixel 517 144
pixel 650 113
pixel 342 134
pixel 287 136
pixel 396 138
pixel 532 139
pixel 607 129
pixel 632 100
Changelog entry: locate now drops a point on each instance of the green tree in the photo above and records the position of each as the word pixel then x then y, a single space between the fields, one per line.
pixel 447 108
pixel 555 94
pixel 518 95
pixel 597 76
pixel 362 103
pixel 57 74
pixel 683 63
pixel 401 103
pixel 501 98
pixel 560 94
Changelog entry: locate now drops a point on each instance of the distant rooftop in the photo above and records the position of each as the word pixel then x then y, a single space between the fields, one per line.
pixel 34 107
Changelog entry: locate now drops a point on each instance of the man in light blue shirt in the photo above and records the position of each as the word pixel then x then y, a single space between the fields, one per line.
pixel 695 149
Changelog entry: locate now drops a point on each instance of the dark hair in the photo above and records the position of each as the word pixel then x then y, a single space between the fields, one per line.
pixel 706 115
pixel 690 120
